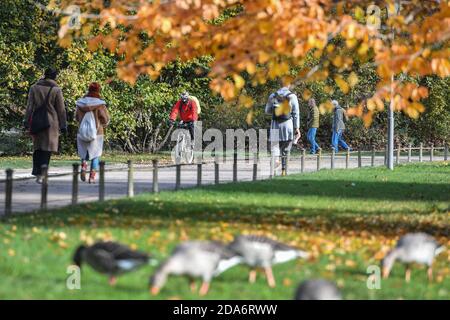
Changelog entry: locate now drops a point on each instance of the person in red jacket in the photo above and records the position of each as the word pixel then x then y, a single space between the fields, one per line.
pixel 187 108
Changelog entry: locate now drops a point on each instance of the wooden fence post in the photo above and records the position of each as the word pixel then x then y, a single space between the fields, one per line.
pixel 397 160
pixel 359 159
pixel 272 166
pixel 8 191
pixel 216 172
pixel 446 152
pixel 199 174
pixel 372 160
pixel 319 159
pixel 386 151
pixel 235 167
pixel 75 173
pixel 431 152
pixel 130 192
pixel 177 176
pixel 409 152
pixel 332 158
pixel 421 152
pixel 347 159
pixel 255 167
pixel 303 160
pixel 44 187
pixel 101 184
pixel 155 176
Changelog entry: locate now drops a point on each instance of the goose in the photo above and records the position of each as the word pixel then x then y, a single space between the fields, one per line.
pixel 195 259
pixel 317 289
pixel 263 252
pixel 110 258
pixel 418 248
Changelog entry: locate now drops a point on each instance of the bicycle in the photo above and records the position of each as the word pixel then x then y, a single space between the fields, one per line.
pixel 184 149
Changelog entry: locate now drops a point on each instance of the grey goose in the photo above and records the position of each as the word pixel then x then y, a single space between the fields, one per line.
pixel 262 252
pixel 195 259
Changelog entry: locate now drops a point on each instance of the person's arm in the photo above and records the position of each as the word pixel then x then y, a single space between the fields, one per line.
pixel 175 110
pixel 344 112
pixel 269 105
pixel 89 108
pixel 79 114
pixel 61 109
pixel 310 116
pixel 334 123
pixel 295 113
pixel 103 116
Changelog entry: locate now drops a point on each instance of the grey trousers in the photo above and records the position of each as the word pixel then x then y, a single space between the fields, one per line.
pixel 283 149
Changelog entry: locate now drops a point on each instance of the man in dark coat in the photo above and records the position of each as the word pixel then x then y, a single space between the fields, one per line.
pixel 45 142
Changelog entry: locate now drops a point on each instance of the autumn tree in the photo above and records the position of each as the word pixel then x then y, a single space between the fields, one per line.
pixel 272 39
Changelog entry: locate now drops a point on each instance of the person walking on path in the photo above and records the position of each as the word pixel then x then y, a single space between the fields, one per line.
pixel 313 125
pixel 45 119
pixel 94 108
pixel 284 108
pixel 339 117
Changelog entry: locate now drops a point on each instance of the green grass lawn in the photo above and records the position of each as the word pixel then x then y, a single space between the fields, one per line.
pixel 24 162
pixel 347 219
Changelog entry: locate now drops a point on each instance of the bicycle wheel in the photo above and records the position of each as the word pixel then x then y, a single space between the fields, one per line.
pixel 179 148
pixel 189 153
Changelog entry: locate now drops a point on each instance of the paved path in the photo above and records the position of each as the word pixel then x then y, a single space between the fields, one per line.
pixel 26 193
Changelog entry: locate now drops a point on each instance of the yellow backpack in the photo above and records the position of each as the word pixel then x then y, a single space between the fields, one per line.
pixel 199 109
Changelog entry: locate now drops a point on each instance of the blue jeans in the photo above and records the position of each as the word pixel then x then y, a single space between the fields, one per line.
pixel 95 163
pixel 312 140
pixel 337 140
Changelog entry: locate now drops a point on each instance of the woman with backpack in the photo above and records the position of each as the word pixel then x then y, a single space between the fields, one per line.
pixel 93 118
pixel 284 128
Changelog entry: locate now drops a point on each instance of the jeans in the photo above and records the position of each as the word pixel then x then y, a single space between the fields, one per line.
pixel 337 140
pixel 40 158
pixel 95 163
pixel 312 140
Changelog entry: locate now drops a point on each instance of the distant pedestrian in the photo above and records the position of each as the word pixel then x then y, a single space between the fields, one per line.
pixel 339 118
pixel 93 118
pixel 45 119
pixel 313 125
pixel 284 108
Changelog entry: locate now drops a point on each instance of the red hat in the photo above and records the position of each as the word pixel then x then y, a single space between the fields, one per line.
pixel 94 90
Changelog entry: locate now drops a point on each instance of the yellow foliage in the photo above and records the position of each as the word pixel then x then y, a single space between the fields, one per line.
pixel 352 79
pixel 342 84
pixel 268 39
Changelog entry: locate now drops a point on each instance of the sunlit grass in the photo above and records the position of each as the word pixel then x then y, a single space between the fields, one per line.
pixel 347 219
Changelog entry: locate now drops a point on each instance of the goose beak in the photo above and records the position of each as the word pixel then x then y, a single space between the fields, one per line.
pixel 154 291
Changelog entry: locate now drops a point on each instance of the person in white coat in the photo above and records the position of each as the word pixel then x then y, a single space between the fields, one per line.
pixel 93 149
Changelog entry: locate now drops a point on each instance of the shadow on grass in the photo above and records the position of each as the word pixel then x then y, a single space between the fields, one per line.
pixel 344 189
pixel 228 203
pixel 143 213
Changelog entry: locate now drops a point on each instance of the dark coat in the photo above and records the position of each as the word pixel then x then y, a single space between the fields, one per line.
pixel 47 140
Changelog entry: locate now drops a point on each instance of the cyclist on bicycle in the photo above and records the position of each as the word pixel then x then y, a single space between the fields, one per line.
pixel 188 110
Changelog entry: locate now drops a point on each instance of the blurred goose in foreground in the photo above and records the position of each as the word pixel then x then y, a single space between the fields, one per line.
pixel 110 258
pixel 263 252
pixel 317 289
pixel 418 248
pixel 195 259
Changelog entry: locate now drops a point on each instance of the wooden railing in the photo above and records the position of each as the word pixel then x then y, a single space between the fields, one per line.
pixel 304 159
